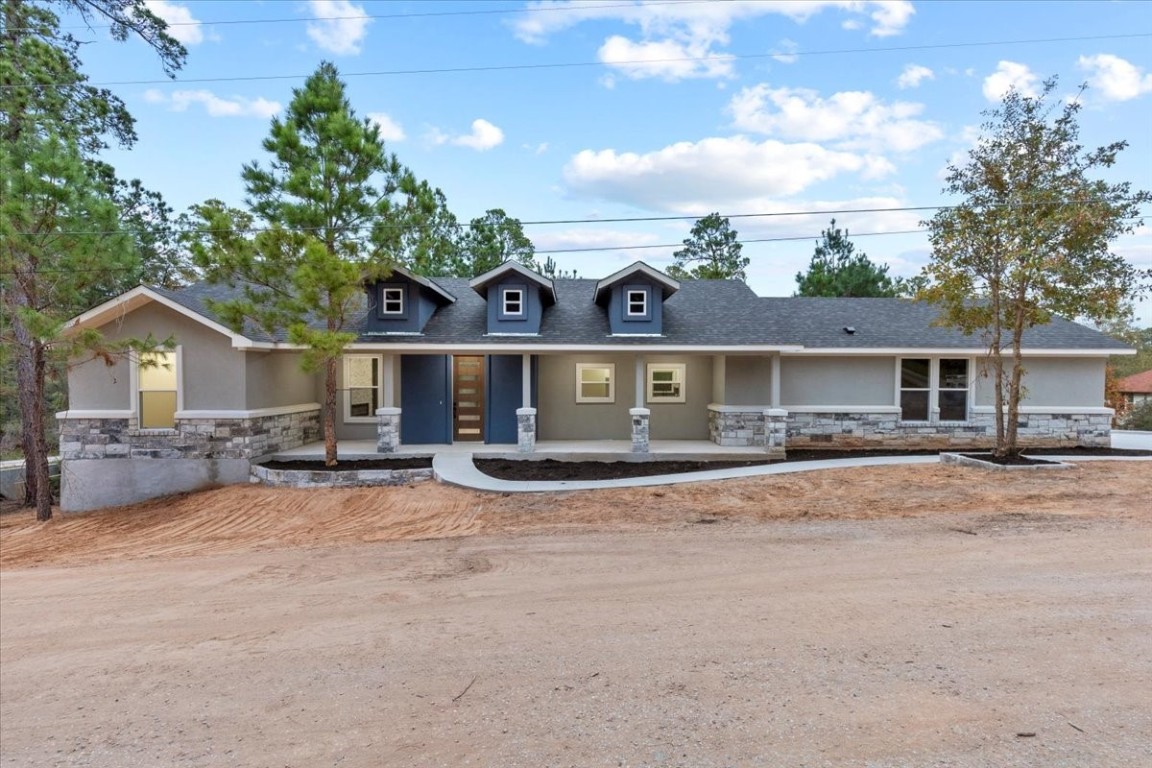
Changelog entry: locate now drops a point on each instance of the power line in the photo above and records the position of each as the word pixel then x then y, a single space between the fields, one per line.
pixel 588 64
pixel 786 239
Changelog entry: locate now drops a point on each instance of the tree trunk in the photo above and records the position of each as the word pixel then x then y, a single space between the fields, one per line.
pixel 330 412
pixel 30 367
pixel 1014 389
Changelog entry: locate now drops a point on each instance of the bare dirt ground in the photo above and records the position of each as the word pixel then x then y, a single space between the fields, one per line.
pixel 895 616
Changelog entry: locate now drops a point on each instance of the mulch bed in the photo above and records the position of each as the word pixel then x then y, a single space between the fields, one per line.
pixel 551 469
pixel 352 465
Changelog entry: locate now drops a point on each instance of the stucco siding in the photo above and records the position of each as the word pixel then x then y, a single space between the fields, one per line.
pixel 275 379
pixel 748 381
pixel 1050 381
pixel 212 374
pixel 828 381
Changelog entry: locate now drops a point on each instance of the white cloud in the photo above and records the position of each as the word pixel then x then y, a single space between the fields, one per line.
pixel 785 52
pixel 666 59
pixel 1010 75
pixel 182 25
pixel 587 237
pixel 484 136
pixel 215 106
pixel 536 149
pixel 913 75
pixel 681 40
pixel 1115 78
pixel 340 27
pixel 714 172
pixel 390 130
pixel 852 119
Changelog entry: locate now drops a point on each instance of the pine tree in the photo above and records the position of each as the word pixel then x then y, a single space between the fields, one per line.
pixel 711 252
pixel 491 240
pixel 837 270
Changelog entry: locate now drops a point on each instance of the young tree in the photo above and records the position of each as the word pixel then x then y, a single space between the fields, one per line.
pixel 491 240
pixel 425 235
pixel 714 251
pixel 1029 238
pixel 324 219
pixel 60 245
pixel 837 269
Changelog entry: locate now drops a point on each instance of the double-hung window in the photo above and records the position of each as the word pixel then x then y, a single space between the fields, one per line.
pixel 636 303
pixel 934 389
pixel 666 382
pixel 392 301
pixel 512 300
pixel 362 387
pixel 595 382
pixel 158 388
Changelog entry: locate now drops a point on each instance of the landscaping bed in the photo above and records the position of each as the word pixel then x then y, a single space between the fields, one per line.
pixel 350 473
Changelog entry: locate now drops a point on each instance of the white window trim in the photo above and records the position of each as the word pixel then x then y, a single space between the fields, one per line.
pixel 134 386
pixel 581 367
pixel 504 295
pixel 680 370
pixel 934 389
pixel 347 409
pixel 384 291
pixel 628 302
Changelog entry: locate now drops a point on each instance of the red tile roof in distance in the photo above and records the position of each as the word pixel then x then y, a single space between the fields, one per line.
pixel 1137 383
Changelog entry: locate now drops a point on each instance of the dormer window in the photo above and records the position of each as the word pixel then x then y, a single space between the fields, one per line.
pixel 513 301
pixel 637 302
pixel 392 303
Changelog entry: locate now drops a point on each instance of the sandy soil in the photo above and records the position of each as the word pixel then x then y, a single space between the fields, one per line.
pixel 902 616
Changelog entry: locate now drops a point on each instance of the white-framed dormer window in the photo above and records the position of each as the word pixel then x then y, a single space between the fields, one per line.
pixel 934 389
pixel 392 301
pixel 666 382
pixel 362 382
pixel 636 302
pixel 512 302
pixel 158 390
pixel 595 382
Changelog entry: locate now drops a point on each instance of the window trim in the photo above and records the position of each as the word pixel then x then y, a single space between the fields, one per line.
pixel 504 314
pixel 646 293
pixel 134 385
pixel 610 367
pixel 934 389
pixel 347 390
pixel 681 374
pixel 382 310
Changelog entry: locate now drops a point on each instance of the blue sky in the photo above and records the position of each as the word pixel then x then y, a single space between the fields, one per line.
pixel 657 108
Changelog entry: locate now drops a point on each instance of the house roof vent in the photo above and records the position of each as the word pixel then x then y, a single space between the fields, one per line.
pixel 849 329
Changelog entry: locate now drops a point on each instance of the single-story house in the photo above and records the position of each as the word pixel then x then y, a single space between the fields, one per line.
pixel 513 357
pixel 1137 388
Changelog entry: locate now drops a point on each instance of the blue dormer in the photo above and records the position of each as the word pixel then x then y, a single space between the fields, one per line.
pixel 634 298
pixel 516 298
pixel 403 303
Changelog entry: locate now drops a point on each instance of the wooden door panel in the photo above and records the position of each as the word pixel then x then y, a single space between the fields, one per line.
pixel 468 398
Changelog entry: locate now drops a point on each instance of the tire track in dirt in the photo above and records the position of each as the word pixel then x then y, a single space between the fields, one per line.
pixel 250 518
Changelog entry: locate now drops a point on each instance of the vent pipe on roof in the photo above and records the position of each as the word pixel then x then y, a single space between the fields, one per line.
pixel 849 329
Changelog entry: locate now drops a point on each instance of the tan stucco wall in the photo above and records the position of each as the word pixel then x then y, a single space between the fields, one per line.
pixel 825 381
pixel 275 379
pixel 213 372
pixel 560 417
pixel 748 381
pixel 1067 381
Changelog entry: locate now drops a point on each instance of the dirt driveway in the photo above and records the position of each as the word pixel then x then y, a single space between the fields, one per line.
pixel 840 618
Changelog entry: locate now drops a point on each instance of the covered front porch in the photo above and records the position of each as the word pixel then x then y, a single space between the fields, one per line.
pixel 561 450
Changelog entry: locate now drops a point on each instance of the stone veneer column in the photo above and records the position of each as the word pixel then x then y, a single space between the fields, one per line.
pixel 775 431
pixel 526 430
pixel 640 429
pixel 387 430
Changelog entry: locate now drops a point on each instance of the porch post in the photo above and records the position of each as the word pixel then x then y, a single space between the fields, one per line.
pixel 639 381
pixel 387 430
pixel 389 378
pixel 526 414
pixel 775 432
pixel 776 380
pixel 640 427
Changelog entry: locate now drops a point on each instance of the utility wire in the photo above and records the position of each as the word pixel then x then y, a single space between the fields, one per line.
pixel 587 64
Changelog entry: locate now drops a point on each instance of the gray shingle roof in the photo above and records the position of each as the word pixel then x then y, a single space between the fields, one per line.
pixel 701 313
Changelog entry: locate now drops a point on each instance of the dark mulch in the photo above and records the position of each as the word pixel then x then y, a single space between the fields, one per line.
pixel 352 465
pixel 551 469
pixel 1008 461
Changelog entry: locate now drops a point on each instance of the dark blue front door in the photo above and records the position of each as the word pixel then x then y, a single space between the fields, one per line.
pixel 425 387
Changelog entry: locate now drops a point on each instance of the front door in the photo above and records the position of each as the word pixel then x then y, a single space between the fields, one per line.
pixel 468 398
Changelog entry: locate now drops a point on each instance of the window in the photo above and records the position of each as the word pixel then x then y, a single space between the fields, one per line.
pixel 362 388
pixel 595 383
pixel 636 302
pixel 666 383
pixel 392 301
pixel 513 301
pixel 158 384
pixel 930 385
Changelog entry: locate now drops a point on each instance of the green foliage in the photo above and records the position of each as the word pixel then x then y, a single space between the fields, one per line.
pixel 1030 237
pixel 837 269
pixel 426 234
pixel 711 252
pixel 1139 418
pixel 323 220
pixel 491 240
pixel 550 269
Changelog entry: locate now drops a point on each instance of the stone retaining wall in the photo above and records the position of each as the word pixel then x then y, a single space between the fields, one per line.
pixel 347 478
